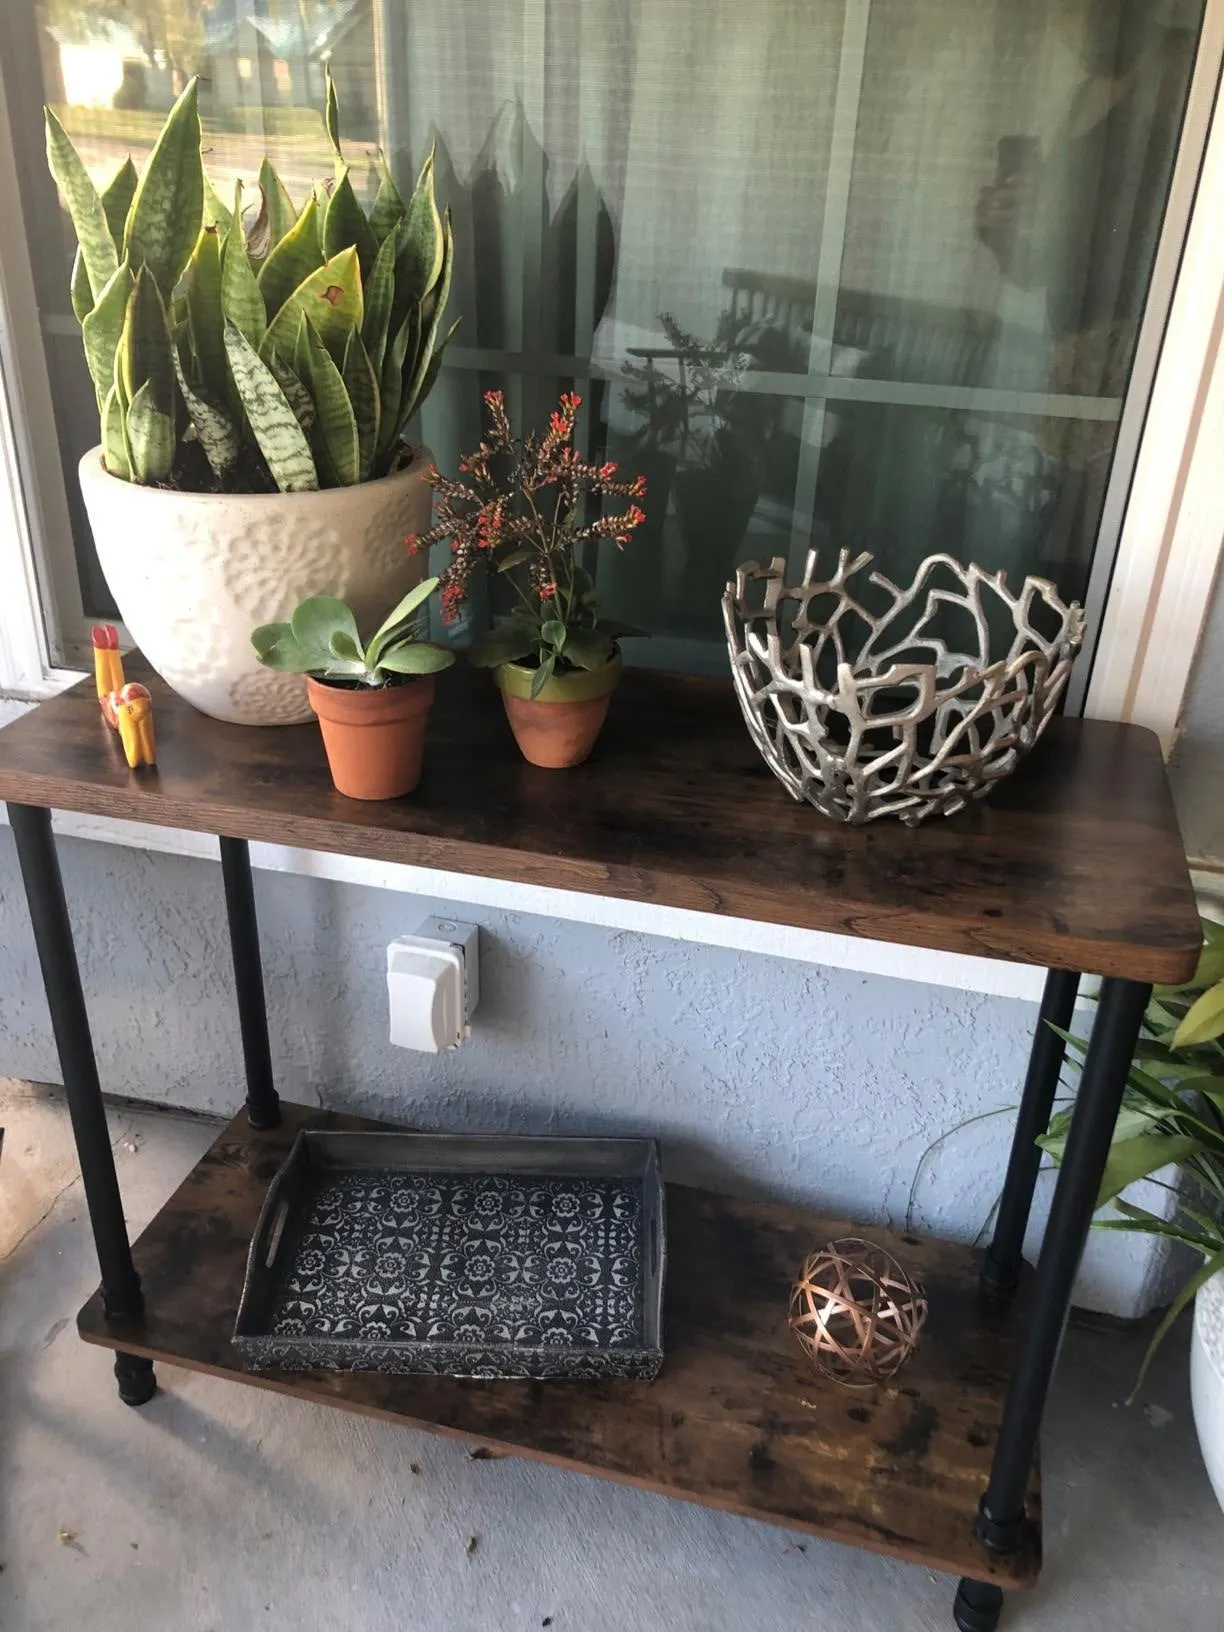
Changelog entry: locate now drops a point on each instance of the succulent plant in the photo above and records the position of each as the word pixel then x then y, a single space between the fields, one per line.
pixel 322 639
pixel 290 351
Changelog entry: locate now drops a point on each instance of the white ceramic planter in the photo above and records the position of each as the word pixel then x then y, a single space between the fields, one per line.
pixel 1207 1378
pixel 194 573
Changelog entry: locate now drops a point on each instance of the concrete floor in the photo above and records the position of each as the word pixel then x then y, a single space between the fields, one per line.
pixel 220 1509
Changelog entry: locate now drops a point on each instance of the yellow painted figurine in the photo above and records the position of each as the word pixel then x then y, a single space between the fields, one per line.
pixel 126 707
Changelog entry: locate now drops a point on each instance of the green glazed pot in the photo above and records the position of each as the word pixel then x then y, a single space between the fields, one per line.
pixel 558 728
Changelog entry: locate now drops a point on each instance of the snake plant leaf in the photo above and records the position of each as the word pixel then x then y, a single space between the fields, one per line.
pixel 116 202
pixel 150 437
pixel 331 298
pixel 293 259
pixel 204 312
pixel 241 298
pixel 379 293
pixel 361 385
pixel 102 327
pixel 335 424
pixel 114 437
pixel 144 354
pixel 428 383
pixel 332 119
pixel 281 439
pixel 391 385
pixel 216 431
pixel 217 212
pixel 431 315
pixel 419 261
pixel 387 210
pixel 344 223
pixel 168 205
pixel 416 657
pixel 300 399
pixel 282 212
pixel 84 206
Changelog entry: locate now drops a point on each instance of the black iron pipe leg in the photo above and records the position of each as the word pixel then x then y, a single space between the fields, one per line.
pixel 978 1606
pixel 1001 1269
pixel 263 1105
pixel 44 888
pixel 1001 1518
pixel 136 1378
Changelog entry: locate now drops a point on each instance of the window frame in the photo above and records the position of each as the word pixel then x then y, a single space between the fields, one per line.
pixel 1168 509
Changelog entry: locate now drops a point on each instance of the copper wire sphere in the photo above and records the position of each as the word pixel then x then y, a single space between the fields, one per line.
pixel 856 1312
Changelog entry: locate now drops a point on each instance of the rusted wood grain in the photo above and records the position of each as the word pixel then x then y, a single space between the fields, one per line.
pixel 737 1420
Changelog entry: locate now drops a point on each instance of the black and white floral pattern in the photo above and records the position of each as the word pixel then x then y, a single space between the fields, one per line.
pixel 467 1275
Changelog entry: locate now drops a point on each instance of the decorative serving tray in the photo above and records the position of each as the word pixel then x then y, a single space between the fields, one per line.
pixel 464 1256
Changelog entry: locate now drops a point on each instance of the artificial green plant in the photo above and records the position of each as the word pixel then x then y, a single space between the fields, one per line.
pixel 291 349
pixel 322 639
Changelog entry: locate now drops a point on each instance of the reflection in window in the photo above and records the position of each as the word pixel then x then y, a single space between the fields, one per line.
pixel 845 273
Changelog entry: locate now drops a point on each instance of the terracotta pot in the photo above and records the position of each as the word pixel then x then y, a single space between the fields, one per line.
pixel 375 738
pixel 559 727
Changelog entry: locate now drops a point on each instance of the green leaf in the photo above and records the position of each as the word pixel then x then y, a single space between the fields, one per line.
pixel 318 619
pixel 115 455
pixel 217 212
pixel 509 643
pixel 416 657
pixel 379 293
pixel 117 198
pixel 216 431
pixel 204 312
pixel 336 424
pixel 299 398
pixel 418 262
pixel 292 261
pixel 399 615
pixel 362 389
pixel 79 291
pixel 391 383
pixel 84 206
pixel 1190 1290
pixel 542 676
pixel 282 213
pixel 554 633
pixel 241 297
pixel 387 210
pixel 1132 1159
pixel 414 385
pixel 516 558
pixel 332 115
pixel 588 649
pixel 276 648
pixel 427 384
pixel 346 647
pixel 103 326
pixel 1204 1020
pixel 345 226
pixel 168 205
pixel 281 439
pixel 150 437
pixel 331 298
pixel 145 347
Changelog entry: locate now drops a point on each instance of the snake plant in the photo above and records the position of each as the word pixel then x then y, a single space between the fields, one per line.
pixel 233 354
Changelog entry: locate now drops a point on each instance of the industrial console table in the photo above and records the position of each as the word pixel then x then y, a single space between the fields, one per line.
pixel 1074 864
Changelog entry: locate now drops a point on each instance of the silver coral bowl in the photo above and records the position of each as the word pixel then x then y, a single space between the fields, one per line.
pixel 868 700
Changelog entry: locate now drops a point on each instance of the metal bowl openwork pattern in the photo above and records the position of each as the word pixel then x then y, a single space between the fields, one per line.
pixel 868 700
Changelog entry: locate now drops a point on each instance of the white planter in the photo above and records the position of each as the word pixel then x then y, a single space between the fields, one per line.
pixel 194 573
pixel 1207 1378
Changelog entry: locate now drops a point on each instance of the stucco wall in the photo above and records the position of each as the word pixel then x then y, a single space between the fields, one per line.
pixel 762 1076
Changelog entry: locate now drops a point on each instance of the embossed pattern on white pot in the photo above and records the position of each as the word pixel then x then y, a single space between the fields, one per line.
pixel 194 573
pixel 1207 1378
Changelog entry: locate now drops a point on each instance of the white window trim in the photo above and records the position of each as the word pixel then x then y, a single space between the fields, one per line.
pixel 1171 543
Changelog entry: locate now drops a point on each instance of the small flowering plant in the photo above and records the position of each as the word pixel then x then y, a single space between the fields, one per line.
pixel 521 512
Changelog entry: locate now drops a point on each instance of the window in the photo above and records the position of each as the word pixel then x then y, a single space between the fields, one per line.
pixel 882 274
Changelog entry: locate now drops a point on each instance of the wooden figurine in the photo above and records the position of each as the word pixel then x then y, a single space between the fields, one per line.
pixel 108 664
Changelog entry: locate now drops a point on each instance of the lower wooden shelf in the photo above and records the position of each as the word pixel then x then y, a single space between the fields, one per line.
pixel 736 1420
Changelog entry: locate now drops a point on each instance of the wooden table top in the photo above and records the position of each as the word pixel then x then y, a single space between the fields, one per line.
pixel 1074 862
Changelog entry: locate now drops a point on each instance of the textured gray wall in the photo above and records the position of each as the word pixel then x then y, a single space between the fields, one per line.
pixel 761 1076
pixel 1197 765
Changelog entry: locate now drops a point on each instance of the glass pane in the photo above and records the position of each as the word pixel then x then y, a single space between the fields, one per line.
pixel 859 274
